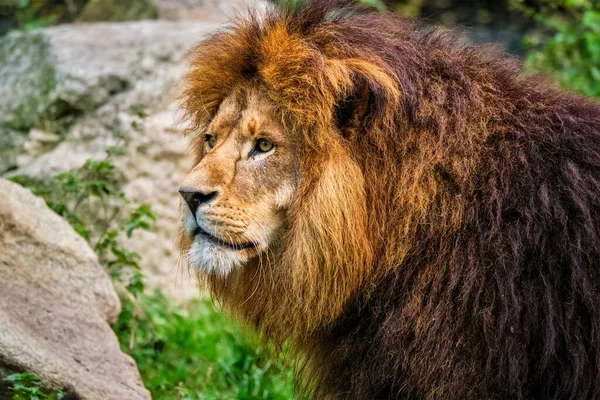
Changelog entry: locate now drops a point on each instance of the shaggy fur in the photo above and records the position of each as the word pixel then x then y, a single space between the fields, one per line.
pixel 444 241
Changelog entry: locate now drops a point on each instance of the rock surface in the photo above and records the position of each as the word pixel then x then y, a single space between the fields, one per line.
pixel 205 10
pixel 56 304
pixel 76 89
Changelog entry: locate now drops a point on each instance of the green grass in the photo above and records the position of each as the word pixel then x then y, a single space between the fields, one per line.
pixel 193 352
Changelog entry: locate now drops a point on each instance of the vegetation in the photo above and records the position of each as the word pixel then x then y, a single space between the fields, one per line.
pixel 73 194
pixel 28 386
pixel 33 14
pixel 182 352
pixel 572 51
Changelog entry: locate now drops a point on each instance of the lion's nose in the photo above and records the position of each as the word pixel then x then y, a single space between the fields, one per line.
pixel 194 199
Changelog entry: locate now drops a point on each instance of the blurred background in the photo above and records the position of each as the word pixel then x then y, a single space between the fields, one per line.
pixel 88 124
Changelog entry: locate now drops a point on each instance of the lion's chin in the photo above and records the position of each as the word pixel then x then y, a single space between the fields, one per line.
pixel 213 258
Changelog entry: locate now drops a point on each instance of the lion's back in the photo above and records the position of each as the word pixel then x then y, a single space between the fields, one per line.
pixel 505 303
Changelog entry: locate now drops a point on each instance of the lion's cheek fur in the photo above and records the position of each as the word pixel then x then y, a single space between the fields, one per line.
pixel 329 253
pixel 304 281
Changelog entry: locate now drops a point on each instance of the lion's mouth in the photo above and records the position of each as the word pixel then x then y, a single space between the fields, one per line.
pixel 220 242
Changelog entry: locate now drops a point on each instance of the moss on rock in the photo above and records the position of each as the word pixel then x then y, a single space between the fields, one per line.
pixel 118 10
pixel 27 79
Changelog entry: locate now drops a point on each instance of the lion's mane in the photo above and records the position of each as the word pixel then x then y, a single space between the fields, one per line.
pixel 444 242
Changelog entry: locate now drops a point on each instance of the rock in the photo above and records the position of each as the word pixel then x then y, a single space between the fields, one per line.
pixel 12 144
pixel 105 76
pixel 39 142
pixel 72 69
pixel 27 77
pixel 57 303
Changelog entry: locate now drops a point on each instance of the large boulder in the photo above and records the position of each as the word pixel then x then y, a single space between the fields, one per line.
pixel 57 304
pixel 76 89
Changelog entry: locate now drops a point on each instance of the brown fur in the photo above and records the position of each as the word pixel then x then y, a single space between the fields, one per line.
pixel 444 238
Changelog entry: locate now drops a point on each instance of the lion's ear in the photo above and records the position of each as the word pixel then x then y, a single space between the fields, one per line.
pixel 369 93
pixel 350 112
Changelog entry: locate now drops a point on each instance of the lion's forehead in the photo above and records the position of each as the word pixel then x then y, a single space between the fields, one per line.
pixel 249 113
pixel 241 119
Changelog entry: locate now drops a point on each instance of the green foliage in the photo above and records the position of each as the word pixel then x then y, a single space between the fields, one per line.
pixel 68 193
pixel 27 386
pixel 91 200
pixel 572 52
pixel 193 352
pixel 30 15
pixel 378 4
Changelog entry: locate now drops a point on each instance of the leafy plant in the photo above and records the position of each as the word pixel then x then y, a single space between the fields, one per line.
pixel 91 200
pixel 572 51
pixel 28 386
pixel 30 14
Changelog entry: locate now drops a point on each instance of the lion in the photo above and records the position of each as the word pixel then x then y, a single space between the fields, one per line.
pixel 415 215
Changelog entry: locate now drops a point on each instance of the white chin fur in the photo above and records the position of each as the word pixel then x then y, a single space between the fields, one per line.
pixel 212 258
pixel 206 255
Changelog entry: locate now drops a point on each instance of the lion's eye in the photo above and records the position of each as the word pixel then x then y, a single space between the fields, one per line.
pixel 210 141
pixel 264 146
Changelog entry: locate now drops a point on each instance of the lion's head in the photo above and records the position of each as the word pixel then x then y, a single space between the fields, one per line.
pixel 241 187
pixel 277 214
pixel 265 209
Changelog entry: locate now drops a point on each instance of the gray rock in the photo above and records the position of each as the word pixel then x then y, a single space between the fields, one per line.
pixel 27 78
pixel 71 69
pixel 12 144
pixel 57 303
pixel 206 10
